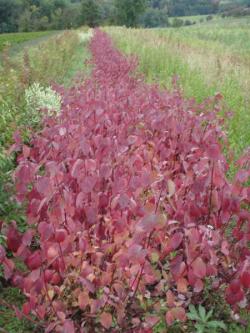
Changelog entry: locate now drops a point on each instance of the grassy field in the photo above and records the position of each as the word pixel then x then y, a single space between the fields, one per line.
pixel 207 58
pixel 13 39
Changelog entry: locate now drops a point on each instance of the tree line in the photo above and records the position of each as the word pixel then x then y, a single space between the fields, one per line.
pixel 33 15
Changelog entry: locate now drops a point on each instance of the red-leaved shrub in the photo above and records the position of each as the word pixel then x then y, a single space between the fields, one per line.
pixel 129 207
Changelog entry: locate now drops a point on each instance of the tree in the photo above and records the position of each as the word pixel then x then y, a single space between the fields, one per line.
pixel 154 17
pixel 90 13
pixel 128 11
pixel 107 12
pixel 9 13
pixel 192 7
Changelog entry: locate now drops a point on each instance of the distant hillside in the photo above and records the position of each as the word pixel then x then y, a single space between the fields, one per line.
pixel 230 4
pixel 192 7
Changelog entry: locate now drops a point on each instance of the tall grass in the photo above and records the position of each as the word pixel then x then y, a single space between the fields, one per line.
pixel 55 60
pixel 204 62
pixel 50 61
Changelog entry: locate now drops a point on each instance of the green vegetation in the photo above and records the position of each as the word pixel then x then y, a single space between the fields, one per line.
pixel 8 321
pixel 128 11
pixel 207 59
pixel 12 39
pixel 39 15
pixel 35 15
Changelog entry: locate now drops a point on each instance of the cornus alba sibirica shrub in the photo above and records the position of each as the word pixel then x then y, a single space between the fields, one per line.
pixel 41 98
pixel 131 214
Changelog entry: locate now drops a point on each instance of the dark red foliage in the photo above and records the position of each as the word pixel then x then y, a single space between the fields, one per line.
pixel 245 279
pixel 34 260
pixel 14 239
pixel 130 202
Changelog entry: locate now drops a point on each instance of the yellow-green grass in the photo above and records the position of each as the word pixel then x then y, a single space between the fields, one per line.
pixel 206 58
pixel 12 39
pixel 193 18
pixel 54 60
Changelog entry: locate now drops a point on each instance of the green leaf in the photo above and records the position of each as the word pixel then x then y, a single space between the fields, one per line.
pixel 193 316
pixel 202 313
pixel 217 324
pixel 193 310
pixel 209 314
pixel 200 328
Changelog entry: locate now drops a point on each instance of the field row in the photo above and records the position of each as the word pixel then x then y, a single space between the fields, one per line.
pixel 133 222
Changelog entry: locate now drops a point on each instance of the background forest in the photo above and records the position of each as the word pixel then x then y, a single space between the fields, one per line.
pixel 39 15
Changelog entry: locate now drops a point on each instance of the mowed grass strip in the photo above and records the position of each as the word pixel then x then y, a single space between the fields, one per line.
pixel 12 39
pixel 205 62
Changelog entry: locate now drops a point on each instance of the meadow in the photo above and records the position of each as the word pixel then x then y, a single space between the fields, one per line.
pixel 12 39
pixel 208 58
pixel 127 218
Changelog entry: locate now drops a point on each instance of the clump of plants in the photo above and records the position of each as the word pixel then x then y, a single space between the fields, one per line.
pixel 40 98
pixel 130 211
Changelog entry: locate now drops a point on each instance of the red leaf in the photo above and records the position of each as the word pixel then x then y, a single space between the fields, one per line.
pixel 34 261
pixel 175 240
pixel 41 311
pixel 175 314
pixel 214 151
pixel 180 314
pixel 53 252
pixel 14 239
pixel 152 320
pixel 106 320
pixel 147 224
pixel 27 237
pixel 182 285
pixel 43 186
pixel 198 286
pixel 242 176
pixel 2 254
pixel 235 286
pixel 80 200
pixel 26 309
pixel 199 268
pixel 46 231
pixel 48 275
pixel 83 300
pixel 55 279
pixel 68 327
pixel 78 165
pixel 170 299
pixel 60 235
pixel 170 318
pixel 245 279
pixel 136 253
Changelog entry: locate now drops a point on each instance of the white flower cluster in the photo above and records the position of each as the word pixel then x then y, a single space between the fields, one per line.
pixel 85 36
pixel 38 98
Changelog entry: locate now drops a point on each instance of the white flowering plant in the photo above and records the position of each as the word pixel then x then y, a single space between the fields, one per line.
pixel 85 36
pixel 38 98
